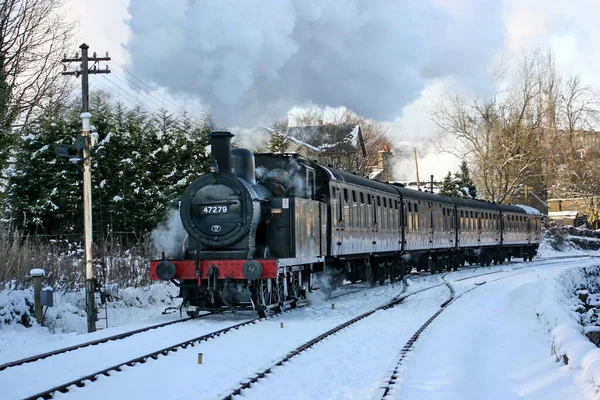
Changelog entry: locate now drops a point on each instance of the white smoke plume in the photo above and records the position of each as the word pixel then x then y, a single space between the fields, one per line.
pixel 253 60
pixel 168 237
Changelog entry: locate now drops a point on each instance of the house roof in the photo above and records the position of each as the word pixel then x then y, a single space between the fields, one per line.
pixel 345 138
pixel 562 214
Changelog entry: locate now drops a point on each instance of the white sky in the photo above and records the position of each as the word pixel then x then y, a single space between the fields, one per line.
pixel 568 27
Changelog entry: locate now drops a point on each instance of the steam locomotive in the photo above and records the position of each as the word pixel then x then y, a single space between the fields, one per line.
pixel 260 227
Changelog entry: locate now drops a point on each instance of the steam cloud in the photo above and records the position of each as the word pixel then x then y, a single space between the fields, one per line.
pixel 253 60
pixel 168 237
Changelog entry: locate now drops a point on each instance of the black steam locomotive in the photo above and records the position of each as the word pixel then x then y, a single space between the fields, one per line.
pixel 260 226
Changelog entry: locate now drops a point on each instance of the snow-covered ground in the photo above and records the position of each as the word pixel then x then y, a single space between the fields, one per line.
pixel 499 341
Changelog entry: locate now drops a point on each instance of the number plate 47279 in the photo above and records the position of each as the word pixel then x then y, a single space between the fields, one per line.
pixel 215 209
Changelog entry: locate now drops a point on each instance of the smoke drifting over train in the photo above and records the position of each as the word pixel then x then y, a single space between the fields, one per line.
pixel 252 61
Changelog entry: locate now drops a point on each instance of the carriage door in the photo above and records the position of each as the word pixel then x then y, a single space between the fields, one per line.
pixel 431 216
pixel 337 220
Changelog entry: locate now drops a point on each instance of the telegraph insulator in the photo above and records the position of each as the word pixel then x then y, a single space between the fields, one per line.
pixel 94 54
pixel 107 54
pixel 76 55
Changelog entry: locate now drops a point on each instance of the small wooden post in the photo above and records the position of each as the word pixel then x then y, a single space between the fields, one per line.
pixel 199 358
pixel 37 274
pixel 281 324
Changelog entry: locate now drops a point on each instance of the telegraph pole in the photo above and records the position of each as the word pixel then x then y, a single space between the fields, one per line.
pixel 416 166
pixel 84 71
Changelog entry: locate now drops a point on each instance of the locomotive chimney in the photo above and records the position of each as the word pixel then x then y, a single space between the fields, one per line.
pixel 220 146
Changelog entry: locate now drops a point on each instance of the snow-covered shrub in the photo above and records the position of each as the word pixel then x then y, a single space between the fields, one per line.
pixel 119 261
pixel 555 235
pixel 16 307
pixel 580 292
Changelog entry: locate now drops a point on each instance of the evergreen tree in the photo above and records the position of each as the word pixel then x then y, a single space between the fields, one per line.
pixel 141 163
pixel 278 142
pixel 44 191
pixel 465 183
pixel 449 186
pixel 460 185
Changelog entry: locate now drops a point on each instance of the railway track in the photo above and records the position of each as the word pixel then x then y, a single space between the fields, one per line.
pixel 264 373
pixel 91 343
pixel 401 296
pixel 91 377
pixel 395 373
pixel 82 381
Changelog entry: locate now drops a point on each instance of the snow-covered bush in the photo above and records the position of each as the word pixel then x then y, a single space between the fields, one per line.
pixel 555 235
pixel 119 261
pixel 16 307
pixel 68 313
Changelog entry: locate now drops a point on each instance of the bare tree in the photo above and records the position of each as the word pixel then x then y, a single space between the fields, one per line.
pixel 33 38
pixel 503 138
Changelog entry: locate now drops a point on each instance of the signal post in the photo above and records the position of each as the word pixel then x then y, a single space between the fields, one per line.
pixel 81 151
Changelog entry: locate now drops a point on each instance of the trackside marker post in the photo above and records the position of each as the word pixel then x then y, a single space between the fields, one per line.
pixel 37 274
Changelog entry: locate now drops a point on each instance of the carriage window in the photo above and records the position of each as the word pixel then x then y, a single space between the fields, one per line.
pixel 354 196
pixel 345 195
pixel 369 198
pixel 409 207
pixel 378 201
pixel 416 208
pixel 362 198
pixel 333 191
pixel 384 202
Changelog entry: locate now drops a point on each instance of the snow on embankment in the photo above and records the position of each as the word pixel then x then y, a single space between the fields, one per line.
pixel 68 313
pixel 569 341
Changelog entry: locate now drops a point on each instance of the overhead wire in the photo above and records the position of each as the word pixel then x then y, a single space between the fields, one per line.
pixel 135 100
pixel 151 102
pixel 152 95
pixel 151 90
